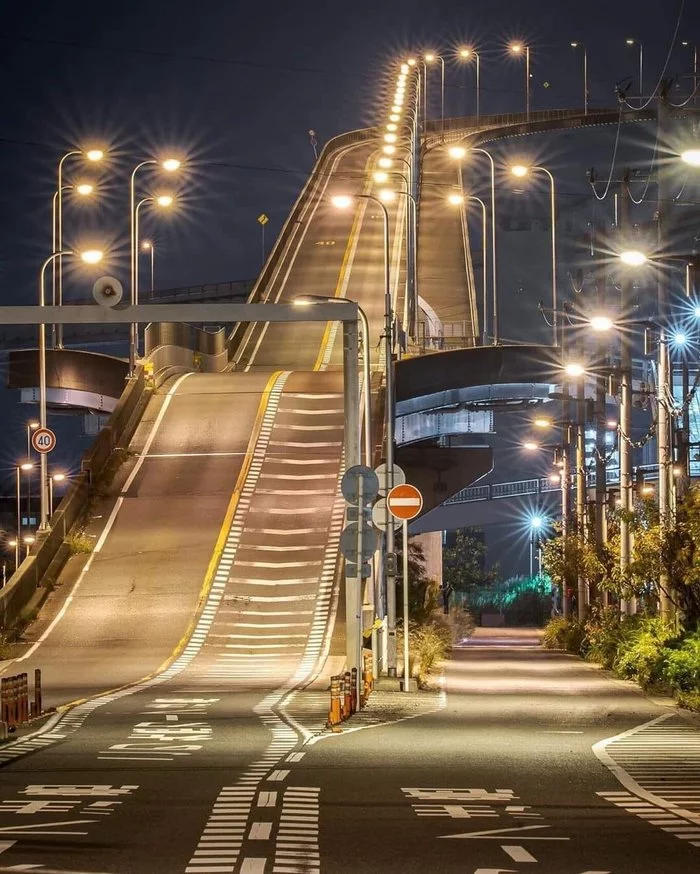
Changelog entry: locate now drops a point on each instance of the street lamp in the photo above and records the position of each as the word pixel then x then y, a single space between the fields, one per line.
pixel 148 246
pixel 170 165
pixel 89 256
pixel 692 157
pixel 467 54
pixel 536 525
pixel 633 42
pixel 54 478
pixel 81 189
pixel 304 300
pixel 164 201
pixel 518 48
pixel 27 467
pixel 459 200
pixel 520 170
pixel 601 323
pixel 574 369
pixel 93 156
pixel 633 258
pixel 429 58
pixel 458 153
pixel 580 45
pixel 343 201
pixel 388 196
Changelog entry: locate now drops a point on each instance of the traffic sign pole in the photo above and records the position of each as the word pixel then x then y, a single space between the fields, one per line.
pixel 406 666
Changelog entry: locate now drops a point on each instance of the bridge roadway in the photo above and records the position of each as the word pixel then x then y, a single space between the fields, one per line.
pixel 211 593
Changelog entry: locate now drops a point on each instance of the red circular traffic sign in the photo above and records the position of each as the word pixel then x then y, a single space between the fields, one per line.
pixel 404 502
pixel 43 440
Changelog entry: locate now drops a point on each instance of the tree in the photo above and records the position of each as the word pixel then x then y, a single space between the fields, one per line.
pixel 422 591
pixel 463 566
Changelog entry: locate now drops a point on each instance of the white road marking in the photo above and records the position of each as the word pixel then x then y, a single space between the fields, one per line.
pixel 253 866
pixel 260 831
pixel 518 854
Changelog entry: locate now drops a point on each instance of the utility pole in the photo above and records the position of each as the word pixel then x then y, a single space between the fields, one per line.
pixel 600 417
pixel 625 423
pixel 664 387
pixel 582 591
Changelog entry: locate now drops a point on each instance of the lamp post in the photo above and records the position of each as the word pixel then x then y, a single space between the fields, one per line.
pixel 149 247
pixel 460 200
pixel 467 55
pixel 580 45
pixel 635 42
pixel 54 478
pixel 92 155
pixel 164 201
pixel 429 58
pixel 536 523
pixel 459 152
pixel 31 426
pixel 303 300
pixel 26 466
pixel 343 202
pixel 83 189
pixel 520 171
pixel 387 196
pixel 170 165
pixel 519 49
pixel 90 256
pixel 686 44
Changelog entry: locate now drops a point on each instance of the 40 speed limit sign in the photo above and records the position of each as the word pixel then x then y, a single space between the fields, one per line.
pixel 43 440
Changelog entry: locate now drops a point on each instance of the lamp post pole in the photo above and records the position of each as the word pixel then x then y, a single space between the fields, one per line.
pixel 19 518
pixel 57 266
pixel 494 284
pixel 133 220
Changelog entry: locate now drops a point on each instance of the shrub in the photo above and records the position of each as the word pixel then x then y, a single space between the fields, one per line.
pixel 643 654
pixel 566 634
pixel 80 543
pixel 681 669
pixel 606 632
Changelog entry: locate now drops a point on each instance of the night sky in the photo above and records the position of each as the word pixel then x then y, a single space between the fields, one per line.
pixel 233 89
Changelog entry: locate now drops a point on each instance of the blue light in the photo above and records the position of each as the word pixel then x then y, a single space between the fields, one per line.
pixel 680 339
pixel 536 522
pixel 696 311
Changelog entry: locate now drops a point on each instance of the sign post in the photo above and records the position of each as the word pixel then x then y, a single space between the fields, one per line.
pixel 405 502
pixel 262 221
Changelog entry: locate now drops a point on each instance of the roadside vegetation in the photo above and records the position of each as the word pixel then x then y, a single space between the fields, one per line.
pixel 623 630
pixel 432 631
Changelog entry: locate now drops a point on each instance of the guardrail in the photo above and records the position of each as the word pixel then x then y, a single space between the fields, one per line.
pixel 541 485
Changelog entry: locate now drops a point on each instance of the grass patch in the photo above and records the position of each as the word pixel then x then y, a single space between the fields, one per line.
pixel 79 543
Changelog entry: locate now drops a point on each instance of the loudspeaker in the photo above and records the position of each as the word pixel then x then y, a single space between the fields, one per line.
pixel 107 291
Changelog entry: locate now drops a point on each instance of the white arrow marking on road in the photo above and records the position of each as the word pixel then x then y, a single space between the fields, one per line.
pixel 31 829
pixel 493 834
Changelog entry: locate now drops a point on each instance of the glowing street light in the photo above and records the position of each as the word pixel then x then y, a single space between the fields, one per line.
pixel 164 201
pixel 531 446
pixel 634 42
pixel 601 323
pixel 170 165
pixel 455 199
pixel 633 258
pixel 580 45
pixel 149 247
pixel 90 256
pixel 467 54
pixel 521 170
pixel 430 58
pixel 385 163
pixel 457 152
pixel 542 422
pixel 24 467
pixel 518 48
pixel 692 157
pixel 574 369
pixel 387 195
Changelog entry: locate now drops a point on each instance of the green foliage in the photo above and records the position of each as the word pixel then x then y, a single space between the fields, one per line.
pixel 605 631
pixel 80 543
pixel 642 655
pixel 566 634
pixel 681 670
pixel 463 564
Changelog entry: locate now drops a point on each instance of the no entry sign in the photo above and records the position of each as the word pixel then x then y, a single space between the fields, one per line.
pixel 404 502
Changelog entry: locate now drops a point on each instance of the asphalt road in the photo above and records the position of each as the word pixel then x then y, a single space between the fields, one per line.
pixel 185 776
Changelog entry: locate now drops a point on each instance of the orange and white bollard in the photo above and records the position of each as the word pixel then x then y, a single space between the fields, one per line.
pixel 353 694
pixel 347 695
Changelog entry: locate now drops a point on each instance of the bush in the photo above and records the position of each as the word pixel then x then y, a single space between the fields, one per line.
pixel 567 634
pixel 681 669
pixel 643 655
pixel 80 543
pixel 606 632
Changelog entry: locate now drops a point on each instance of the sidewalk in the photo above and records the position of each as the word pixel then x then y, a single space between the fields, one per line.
pixel 505 637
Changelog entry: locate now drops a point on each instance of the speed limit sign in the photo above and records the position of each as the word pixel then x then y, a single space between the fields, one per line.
pixel 43 440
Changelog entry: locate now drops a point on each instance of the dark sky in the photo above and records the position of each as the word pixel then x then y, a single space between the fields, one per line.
pixel 234 88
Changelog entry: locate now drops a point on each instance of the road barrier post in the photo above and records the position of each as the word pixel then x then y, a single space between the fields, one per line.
pixel 38 705
pixel 347 697
pixel 353 696
pixel 23 698
pixel 335 712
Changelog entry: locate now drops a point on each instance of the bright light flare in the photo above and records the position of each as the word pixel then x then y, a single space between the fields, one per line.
pixel 170 165
pixel 680 339
pixel 516 48
pixel 574 369
pixel 457 152
pixel 94 154
pixel 58 477
pixel 531 446
pixel 164 200
pixel 391 127
pixel 465 53
pixel 381 176
pixel 387 195
pixel 429 57
pixel 692 157
pixel 147 245
pixel 536 522
pixel 341 201
pixel 542 422
pixel 633 258
pixel 91 256
pixel 385 163
pixel 394 117
pixel 26 465
pixel 389 150
pixel 84 189
pixel 455 199
pixel 519 170
pixel 601 323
